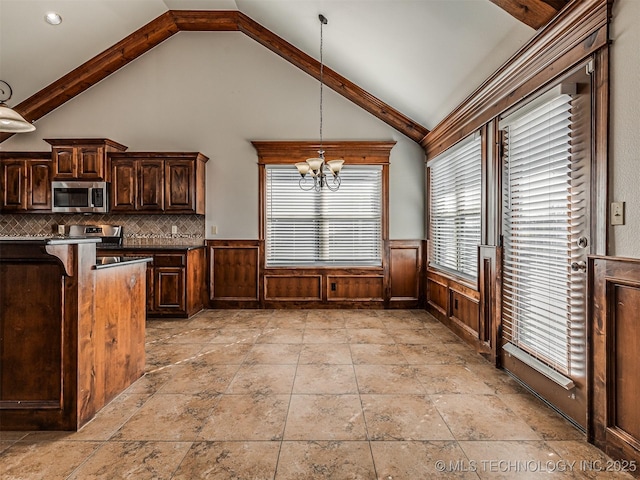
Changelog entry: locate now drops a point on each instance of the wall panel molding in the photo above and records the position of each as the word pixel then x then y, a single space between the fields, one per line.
pixel 234 280
pixel 405 273
pixel 614 302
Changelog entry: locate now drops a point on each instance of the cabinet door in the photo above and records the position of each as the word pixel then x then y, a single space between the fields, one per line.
pixel 151 190
pixel 124 185
pixel 38 191
pixel 65 165
pixel 13 185
pixel 90 161
pixel 169 292
pixel 180 186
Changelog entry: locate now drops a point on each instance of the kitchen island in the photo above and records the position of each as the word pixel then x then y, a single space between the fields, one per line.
pixel 71 332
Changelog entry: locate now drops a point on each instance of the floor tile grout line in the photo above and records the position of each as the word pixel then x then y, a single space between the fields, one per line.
pixel 286 417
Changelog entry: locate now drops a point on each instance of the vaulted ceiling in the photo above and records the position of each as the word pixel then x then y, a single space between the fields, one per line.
pixel 411 61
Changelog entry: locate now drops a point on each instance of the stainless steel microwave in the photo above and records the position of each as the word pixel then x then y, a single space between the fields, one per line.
pixel 80 197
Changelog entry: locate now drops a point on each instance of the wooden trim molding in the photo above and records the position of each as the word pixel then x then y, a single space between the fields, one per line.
pixel 284 152
pixel 577 32
pixel 173 21
pixel 614 340
pixel 490 285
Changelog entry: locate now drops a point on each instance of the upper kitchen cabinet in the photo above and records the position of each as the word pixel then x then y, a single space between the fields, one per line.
pixel 185 183
pixel 156 182
pixel 137 184
pixel 25 185
pixel 83 158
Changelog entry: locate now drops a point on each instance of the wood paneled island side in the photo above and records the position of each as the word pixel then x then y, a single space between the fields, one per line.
pixel 71 333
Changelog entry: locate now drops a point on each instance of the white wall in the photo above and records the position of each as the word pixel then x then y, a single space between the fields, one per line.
pixel 214 92
pixel 625 126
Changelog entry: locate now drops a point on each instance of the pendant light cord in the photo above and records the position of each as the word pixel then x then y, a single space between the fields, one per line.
pixel 323 21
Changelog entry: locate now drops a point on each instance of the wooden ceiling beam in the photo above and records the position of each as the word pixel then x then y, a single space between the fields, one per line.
pixel 332 79
pixel 98 68
pixel 173 21
pixel 534 13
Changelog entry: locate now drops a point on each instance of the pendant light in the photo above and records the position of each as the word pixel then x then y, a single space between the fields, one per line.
pixel 10 120
pixel 321 173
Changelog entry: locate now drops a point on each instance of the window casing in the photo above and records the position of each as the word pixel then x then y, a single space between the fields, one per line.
pixel 455 208
pixel 310 229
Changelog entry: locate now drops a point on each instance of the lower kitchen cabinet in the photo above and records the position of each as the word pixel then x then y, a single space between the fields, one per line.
pixel 175 279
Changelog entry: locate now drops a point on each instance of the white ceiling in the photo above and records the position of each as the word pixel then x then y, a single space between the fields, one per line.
pixel 422 57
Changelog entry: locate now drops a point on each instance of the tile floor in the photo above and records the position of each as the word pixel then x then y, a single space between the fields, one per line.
pixel 302 395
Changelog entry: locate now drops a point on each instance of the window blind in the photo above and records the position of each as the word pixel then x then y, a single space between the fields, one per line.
pixel 342 228
pixel 455 207
pixel 543 215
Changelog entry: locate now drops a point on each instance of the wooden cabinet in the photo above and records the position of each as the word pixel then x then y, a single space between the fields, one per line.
pixel 169 278
pixel 155 182
pixel 175 279
pixel 82 158
pixel 25 185
pixel 137 184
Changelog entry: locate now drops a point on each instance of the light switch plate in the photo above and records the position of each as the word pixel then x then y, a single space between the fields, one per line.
pixel 617 213
pixel 214 230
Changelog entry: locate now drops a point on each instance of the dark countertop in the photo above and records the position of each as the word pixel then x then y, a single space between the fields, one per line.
pixel 107 262
pixel 115 248
pixel 47 240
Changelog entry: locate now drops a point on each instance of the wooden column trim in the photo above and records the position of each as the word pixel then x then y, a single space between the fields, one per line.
pixel 173 21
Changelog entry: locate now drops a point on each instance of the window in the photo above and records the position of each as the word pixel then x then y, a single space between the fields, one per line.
pixel 455 208
pixel 544 216
pixel 342 228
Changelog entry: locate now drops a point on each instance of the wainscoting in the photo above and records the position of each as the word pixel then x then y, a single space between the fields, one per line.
pixel 614 416
pixel 455 304
pixel 238 278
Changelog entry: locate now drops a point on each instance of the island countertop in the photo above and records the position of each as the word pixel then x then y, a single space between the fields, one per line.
pixel 47 240
pixel 115 261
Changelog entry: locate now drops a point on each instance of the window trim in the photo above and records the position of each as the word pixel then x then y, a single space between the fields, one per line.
pixel 354 153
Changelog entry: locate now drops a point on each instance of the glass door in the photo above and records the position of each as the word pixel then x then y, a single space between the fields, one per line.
pixel 545 228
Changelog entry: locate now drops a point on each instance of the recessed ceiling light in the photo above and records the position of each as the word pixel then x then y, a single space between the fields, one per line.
pixel 53 18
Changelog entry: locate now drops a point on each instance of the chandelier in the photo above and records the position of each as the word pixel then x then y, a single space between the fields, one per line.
pixel 321 173
pixel 10 120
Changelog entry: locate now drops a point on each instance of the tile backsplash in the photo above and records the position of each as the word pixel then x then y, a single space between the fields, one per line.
pixel 137 229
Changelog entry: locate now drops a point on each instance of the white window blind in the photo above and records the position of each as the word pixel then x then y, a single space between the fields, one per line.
pixel 543 215
pixel 342 228
pixel 455 207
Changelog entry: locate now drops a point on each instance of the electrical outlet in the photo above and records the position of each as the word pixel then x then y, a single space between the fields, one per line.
pixel 174 229
pixel 617 213
pixel 214 230
pixel 60 229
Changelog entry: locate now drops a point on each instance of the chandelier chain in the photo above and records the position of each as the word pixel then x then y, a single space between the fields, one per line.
pixel 321 80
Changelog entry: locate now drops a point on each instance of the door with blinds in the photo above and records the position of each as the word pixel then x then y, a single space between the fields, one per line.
pixel 545 231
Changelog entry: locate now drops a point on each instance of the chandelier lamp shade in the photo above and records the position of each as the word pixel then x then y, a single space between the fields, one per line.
pixel 10 120
pixel 321 173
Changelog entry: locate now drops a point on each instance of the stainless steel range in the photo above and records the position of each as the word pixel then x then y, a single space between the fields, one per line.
pixel 111 235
